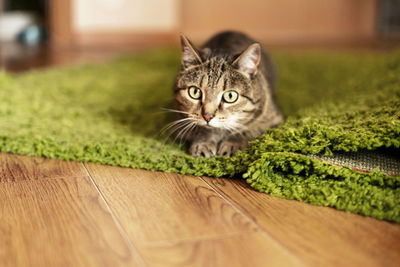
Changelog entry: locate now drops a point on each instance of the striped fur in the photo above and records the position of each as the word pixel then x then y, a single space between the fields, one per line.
pixel 228 61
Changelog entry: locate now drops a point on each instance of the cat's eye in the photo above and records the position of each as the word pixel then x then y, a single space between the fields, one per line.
pixel 230 96
pixel 194 92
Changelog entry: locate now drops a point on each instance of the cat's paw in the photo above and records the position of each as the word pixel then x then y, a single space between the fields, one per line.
pixel 203 149
pixel 229 148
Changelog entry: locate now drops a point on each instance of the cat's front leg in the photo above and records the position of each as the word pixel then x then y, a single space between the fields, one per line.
pixel 205 149
pixel 204 143
pixel 230 146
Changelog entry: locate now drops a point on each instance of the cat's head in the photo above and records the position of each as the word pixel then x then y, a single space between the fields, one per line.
pixel 218 90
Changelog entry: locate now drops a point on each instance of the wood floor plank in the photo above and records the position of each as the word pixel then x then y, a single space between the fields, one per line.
pixel 245 249
pixel 157 206
pixel 320 236
pixel 58 222
pixel 19 168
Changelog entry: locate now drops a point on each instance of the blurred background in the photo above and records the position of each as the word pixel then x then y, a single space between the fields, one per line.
pixel 36 33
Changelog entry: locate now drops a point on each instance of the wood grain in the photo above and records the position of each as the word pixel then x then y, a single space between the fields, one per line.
pixel 245 249
pixel 320 236
pixel 177 220
pixel 18 168
pixel 156 206
pixel 58 213
pixel 55 221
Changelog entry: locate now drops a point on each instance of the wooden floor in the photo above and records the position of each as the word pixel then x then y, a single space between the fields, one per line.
pixel 59 213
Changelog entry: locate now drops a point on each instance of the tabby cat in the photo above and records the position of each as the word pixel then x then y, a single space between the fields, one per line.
pixel 224 94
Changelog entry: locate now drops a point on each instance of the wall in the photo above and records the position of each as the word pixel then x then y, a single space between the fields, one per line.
pixel 287 22
pixel 107 23
pixel 125 15
pixel 283 21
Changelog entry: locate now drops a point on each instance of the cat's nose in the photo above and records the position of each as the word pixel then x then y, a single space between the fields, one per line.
pixel 208 116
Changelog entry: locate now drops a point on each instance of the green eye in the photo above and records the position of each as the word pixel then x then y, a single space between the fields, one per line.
pixel 194 92
pixel 230 96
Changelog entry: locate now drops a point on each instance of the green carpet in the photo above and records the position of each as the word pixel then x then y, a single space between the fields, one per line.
pixel 112 114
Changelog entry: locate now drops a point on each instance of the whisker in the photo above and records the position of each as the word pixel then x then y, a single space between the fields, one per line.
pixel 175 128
pixel 178 126
pixel 171 124
pixel 182 132
pixel 175 111
pixel 235 129
pixel 188 131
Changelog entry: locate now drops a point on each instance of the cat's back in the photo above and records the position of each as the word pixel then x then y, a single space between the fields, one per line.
pixel 229 42
pixel 234 43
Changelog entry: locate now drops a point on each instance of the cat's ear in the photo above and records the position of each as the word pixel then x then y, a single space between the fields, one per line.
pixel 248 61
pixel 190 55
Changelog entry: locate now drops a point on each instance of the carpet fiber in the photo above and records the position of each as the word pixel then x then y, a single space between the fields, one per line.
pixel 112 114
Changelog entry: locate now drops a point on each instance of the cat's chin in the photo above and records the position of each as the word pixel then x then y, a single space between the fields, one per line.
pixel 213 124
pixel 212 127
pixel 208 126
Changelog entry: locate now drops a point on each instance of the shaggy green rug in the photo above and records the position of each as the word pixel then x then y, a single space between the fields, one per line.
pixel 112 114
